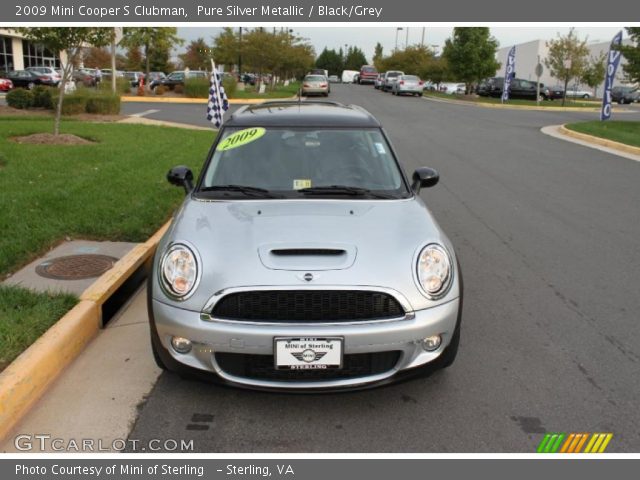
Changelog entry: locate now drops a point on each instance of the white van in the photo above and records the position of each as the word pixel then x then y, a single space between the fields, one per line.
pixel 349 75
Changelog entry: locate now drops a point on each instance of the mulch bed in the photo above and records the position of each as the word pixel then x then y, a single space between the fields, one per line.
pixel 51 139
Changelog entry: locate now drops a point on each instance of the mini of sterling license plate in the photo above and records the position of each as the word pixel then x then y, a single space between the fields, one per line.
pixel 308 353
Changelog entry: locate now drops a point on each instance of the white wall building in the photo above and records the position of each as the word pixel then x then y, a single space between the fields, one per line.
pixel 17 53
pixel 527 55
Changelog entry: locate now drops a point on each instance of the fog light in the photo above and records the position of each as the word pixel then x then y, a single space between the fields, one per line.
pixel 431 343
pixel 181 345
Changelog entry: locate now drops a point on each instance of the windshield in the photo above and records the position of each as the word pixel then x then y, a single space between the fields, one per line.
pixel 294 162
pixel 314 78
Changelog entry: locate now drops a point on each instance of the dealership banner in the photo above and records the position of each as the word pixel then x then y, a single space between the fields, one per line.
pixel 301 11
pixel 123 468
pixel 613 60
pixel 509 73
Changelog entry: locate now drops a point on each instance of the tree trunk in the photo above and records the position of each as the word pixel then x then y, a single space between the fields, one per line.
pixel 148 67
pixel 564 94
pixel 66 73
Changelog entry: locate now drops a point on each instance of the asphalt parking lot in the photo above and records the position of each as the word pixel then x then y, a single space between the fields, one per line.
pixel 548 237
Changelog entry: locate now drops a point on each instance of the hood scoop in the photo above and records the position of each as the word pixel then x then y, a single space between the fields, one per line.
pixel 307 257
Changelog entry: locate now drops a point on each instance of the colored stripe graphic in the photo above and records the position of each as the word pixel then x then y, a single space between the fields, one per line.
pixel 574 443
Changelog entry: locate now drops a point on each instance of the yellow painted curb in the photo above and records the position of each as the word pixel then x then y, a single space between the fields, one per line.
pixel 600 141
pixel 27 378
pixel 519 107
pixel 203 101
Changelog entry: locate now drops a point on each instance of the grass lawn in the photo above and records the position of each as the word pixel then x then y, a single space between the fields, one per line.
pixel 623 132
pixel 280 92
pixel 114 190
pixel 24 316
pixel 530 103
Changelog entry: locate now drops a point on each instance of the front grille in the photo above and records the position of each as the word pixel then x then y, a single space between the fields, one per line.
pixel 307 306
pixel 261 367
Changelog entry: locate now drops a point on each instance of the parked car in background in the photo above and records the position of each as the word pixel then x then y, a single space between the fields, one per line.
pixel 155 76
pixel 408 84
pixel 5 84
pixel 28 79
pixel 348 76
pixel 575 92
pixel 389 78
pixel 106 73
pixel 83 77
pixel 319 71
pixel 133 77
pixel 368 74
pixel 352 281
pixel 377 83
pixel 519 89
pixel 625 94
pixel 452 88
pixel 177 78
pixel 50 72
pixel 555 92
pixel 249 78
pixel 315 85
pixel 334 79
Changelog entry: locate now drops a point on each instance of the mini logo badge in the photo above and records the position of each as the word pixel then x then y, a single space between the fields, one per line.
pixel 308 355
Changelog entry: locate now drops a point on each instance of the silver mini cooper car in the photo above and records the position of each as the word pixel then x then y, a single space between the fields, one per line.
pixel 304 259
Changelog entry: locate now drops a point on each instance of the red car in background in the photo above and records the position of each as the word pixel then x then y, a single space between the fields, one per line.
pixel 5 84
pixel 368 74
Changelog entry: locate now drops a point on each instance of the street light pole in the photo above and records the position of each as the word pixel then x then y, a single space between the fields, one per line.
pixel 422 41
pixel 406 42
pixel 397 30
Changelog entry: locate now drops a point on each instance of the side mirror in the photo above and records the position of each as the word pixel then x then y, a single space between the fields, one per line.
pixel 424 177
pixel 181 176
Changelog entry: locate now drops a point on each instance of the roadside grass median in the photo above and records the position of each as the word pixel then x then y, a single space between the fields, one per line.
pixel 618 131
pixel 530 103
pixel 113 189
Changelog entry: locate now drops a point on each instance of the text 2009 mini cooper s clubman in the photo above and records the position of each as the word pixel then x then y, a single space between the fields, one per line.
pixel 304 259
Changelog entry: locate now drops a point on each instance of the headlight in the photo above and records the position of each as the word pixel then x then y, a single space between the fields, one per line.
pixel 434 271
pixel 179 270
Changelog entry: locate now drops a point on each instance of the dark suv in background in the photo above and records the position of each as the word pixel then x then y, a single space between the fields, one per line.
pixel 624 95
pixel 520 89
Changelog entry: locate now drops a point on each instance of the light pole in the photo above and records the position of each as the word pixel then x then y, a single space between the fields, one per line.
pixel 406 42
pixel 422 41
pixel 397 30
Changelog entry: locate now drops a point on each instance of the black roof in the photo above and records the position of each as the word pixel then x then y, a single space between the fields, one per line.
pixel 302 114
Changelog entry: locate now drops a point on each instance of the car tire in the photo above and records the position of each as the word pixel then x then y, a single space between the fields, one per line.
pixel 586 96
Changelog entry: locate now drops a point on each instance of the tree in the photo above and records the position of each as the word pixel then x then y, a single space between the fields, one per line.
pixel 567 58
pixel 96 57
pixel 156 43
pixel 593 73
pixel 133 59
pixel 471 55
pixel 354 59
pixel 197 56
pixel 227 47
pixel 436 70
pixel 70 40
pixel 330 60
pixel 378 55
pixel 631 54
pixel 412 60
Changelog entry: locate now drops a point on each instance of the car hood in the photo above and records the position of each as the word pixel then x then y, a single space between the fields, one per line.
pixel 275 242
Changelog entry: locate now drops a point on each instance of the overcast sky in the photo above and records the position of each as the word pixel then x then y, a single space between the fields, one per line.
pixel 366 37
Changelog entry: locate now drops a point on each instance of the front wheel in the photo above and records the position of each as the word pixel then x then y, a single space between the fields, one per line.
pixel 586 97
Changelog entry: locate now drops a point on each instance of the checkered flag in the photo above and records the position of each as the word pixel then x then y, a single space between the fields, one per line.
pixel 218 102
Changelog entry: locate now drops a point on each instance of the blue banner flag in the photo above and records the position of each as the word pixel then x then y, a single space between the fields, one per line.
pixel 613 60
pixel 509 73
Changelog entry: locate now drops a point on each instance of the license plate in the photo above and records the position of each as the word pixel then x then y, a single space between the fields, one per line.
pixel 308 353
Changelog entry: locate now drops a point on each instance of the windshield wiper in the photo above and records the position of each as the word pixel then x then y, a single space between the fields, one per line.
pixel 246 189
pixel 343 190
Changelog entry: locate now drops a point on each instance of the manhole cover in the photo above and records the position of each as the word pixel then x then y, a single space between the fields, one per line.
pixel 75 267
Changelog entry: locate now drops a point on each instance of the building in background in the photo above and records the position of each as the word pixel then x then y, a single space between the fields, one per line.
pixel 18 53
pixel 527 59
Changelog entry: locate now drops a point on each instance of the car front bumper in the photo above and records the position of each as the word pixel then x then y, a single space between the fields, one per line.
pixel 210 336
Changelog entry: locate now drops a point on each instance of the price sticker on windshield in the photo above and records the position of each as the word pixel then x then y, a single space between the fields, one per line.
pixel 240 138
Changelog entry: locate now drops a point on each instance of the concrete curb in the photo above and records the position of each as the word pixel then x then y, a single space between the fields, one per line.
pixel 162 123
pixel 589 141
pixel 203 101
pixel 600 141
pixel 29 376
pixel 519 107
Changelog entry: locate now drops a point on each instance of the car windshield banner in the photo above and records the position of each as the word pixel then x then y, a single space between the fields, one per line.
pixel 613 60
pixel 509 73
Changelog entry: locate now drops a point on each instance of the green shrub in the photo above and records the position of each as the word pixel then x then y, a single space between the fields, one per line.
pixel 230 84
pixel 123 85
pixel 75 103
pixel 42 96
pixel 196 87
pixel 103 104
pixel 160 90
pixel 20 98
pixel 179 89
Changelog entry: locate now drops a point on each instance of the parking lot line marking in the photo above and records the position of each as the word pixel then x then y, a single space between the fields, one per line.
pixel 143 114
